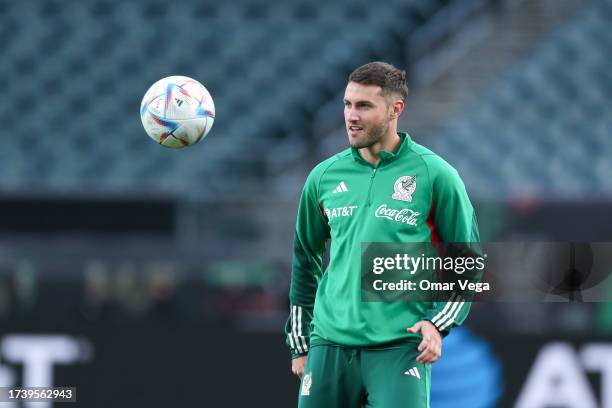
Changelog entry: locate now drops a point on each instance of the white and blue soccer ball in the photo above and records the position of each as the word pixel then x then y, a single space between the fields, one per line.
pixel 177 111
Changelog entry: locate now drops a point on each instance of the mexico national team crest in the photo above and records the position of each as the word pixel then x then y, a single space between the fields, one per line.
pixel 306 384
pixel 404 187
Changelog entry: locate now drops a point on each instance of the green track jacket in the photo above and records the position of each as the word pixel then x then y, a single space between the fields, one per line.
pixel 412 195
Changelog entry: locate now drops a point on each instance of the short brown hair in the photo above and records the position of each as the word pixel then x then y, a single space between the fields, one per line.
pixel 391 79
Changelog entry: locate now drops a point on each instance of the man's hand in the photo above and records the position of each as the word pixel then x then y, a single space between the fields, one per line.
pixel 297 366
pixel 431 346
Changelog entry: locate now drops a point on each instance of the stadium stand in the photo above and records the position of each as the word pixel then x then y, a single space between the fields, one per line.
pixel 74 75
pixel 547 114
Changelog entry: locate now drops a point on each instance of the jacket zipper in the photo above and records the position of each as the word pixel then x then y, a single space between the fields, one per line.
pixel 370 187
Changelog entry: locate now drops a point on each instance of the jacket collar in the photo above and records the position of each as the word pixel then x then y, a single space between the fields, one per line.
pixel 386 156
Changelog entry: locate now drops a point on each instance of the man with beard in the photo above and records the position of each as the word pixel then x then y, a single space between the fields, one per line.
pixel 384 188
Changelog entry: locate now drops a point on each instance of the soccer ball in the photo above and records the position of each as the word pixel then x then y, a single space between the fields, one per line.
pixel 177 111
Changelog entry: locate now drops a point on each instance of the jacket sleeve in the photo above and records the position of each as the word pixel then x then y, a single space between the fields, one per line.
pixel 311 235
pixel 455 226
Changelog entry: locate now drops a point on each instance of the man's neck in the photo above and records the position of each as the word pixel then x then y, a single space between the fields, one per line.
pixel 389 143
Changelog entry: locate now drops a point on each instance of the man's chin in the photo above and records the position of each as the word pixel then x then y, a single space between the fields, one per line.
pixel 358 144
pixel 355 142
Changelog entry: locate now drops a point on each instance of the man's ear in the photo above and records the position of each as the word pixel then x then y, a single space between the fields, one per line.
pixel 397 108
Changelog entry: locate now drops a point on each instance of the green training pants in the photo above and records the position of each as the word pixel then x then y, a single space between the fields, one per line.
pixel 345 377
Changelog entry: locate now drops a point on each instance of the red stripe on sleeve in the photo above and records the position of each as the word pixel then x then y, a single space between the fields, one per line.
pixel 434 236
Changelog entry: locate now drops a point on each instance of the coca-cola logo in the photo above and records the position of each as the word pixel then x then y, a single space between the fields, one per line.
pixel 405 215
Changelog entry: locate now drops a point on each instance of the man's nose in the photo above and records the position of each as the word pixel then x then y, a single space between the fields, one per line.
pixel 352 115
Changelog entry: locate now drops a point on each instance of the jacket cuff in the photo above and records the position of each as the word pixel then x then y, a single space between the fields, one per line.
pixel 295 355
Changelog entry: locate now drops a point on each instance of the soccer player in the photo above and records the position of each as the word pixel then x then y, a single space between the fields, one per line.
pixel 347 352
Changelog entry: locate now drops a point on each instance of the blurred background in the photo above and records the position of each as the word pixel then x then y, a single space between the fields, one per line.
pixel 151 277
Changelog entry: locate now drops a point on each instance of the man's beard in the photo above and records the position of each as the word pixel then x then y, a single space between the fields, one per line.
pixel 372 137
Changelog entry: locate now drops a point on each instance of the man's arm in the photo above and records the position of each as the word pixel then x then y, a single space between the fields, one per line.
pixel 454 221
pixel 311 234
